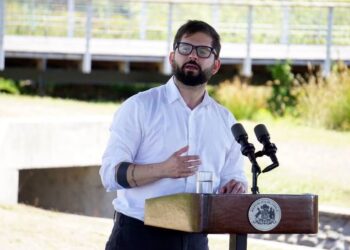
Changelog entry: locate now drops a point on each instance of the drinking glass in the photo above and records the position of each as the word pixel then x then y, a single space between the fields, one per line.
pixel 204 183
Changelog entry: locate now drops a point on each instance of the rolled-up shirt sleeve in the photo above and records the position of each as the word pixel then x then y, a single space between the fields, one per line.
pixel 123 142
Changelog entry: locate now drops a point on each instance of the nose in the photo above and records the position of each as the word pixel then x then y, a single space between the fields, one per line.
pixel 193 54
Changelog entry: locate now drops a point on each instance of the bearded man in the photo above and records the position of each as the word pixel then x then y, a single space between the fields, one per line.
pixel 161 137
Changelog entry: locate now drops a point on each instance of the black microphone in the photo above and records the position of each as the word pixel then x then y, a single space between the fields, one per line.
pixel 248 150
pixel 241 137
pixel 269 148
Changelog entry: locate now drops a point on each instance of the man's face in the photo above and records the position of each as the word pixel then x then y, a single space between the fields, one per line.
pixel 193 69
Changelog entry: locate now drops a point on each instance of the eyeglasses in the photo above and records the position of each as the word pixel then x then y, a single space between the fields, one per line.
pixel 187 48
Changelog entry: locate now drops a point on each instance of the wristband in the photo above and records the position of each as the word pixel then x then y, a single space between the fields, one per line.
pixel 122 174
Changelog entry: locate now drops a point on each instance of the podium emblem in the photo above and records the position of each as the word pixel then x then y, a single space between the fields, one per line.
pixel 264 214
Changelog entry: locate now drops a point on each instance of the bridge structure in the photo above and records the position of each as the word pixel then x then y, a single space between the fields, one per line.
pixel 123 36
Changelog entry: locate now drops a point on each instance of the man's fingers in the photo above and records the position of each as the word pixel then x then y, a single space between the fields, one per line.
pixel 181 151
pixel 188 171
pixel 233 187
pixel 189 164
pixel 190 158
pixel 223 190
pixel 191 170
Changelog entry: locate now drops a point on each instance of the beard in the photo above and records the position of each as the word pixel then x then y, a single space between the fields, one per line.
pixel 190 78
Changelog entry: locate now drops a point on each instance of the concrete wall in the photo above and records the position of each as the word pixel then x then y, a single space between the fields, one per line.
pixel 52 142
pixel 74 190
pixel 47 162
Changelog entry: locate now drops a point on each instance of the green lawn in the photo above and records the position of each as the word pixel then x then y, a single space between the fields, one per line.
pixel 311 160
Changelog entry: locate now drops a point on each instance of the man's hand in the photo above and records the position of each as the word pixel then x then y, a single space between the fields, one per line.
pixel 233 187
pixel 178 166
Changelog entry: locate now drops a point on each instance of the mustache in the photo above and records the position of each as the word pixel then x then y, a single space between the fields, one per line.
pixel 191 63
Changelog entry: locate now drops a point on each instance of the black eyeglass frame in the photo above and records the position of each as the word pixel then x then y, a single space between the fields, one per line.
pixel 212 50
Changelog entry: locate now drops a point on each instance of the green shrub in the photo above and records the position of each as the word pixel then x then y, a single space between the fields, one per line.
pixel 8 86
pixel 243 100
pixel 326 102
pixel 283 98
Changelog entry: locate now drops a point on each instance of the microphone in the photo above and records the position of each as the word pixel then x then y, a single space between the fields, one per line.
pixel 269 148
pixel 241 137
pixel 239 133
pixel 248 150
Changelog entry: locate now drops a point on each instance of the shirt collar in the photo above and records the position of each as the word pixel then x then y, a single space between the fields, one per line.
pixel 173 93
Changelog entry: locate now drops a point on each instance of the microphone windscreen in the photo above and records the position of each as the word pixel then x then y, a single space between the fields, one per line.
pixel 261 131
pixel 238 131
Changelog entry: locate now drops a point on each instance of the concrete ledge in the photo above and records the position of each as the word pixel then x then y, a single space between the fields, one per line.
pixel 53 142
pixel 9 185
pixel 50 142
pixel 335 211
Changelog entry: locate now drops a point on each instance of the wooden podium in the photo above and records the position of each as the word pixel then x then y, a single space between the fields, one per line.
pixel 235 214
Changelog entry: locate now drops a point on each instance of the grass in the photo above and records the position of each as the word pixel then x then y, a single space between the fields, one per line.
pixel 312 160
pixel 24 227
pixel 31 106
pixel 326 102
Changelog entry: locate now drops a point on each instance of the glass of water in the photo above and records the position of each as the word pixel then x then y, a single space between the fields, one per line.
pixel 204 182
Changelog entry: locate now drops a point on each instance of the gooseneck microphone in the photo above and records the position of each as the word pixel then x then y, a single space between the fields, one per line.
pixel 269 148
pixel 248 150
pixel 241 137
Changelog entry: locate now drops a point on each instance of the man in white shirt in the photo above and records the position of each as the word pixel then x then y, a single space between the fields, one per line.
pixel 161 137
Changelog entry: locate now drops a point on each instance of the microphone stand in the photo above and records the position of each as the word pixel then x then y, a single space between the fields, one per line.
pixel 270 152
pixel 239 241
pixel 255 173
pixel 249 151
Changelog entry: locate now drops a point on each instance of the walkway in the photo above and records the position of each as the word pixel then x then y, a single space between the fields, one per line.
pixel 63 48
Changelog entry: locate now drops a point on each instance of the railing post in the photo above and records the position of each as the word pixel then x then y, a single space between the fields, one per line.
pixel 285 25
pixel 70 21
pixel 328 60
pixel 247 66
pixel 166 63
pixel 143 20
pixel 216 13
pixel 88 31
pixel 2 34
pixel 33 22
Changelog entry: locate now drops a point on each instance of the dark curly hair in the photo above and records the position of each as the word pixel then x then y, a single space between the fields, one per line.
pixel 194 26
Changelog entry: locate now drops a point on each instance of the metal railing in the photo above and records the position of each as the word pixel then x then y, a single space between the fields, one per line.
pixel 281 21
pixel 249 22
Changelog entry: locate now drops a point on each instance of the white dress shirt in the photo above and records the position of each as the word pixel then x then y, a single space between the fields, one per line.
pixel 150 126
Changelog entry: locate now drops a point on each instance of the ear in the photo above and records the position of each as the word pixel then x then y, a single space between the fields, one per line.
pixel 216 67
pixel 171 57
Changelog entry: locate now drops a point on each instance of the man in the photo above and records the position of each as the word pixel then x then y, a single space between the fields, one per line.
pixel 161 137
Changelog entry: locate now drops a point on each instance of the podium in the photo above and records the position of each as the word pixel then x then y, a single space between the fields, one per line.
pixel 234 214
pixel 238 214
